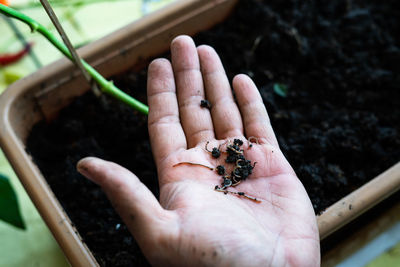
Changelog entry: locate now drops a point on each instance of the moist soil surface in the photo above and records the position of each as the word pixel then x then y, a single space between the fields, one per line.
pixel 328 74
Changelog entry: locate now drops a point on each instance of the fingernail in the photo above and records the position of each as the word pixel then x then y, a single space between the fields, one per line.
pixel 83 165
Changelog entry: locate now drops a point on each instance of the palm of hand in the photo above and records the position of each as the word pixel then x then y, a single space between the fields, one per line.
pixel 213 222
pixel 194 225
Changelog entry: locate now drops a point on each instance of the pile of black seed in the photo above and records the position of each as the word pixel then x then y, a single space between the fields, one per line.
pixel 242 169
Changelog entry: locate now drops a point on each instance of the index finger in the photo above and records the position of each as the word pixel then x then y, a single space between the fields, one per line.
pixel 165 130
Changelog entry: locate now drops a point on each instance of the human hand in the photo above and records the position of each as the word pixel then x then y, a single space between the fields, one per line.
pixel 192 224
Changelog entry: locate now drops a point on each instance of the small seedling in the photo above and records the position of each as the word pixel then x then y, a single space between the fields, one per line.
pixel 280 89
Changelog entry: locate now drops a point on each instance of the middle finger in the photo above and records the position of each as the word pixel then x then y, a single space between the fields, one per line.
pixel 225 113
pixel 196 121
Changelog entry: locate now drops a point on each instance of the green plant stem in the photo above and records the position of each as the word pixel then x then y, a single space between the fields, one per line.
pixel 61 3
pixel 106 86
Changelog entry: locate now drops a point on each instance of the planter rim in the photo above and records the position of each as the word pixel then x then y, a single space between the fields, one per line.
pixel 359 201
pixel 116 45
pixel 50 210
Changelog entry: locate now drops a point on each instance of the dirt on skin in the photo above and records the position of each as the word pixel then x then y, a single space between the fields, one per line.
pixel 329 77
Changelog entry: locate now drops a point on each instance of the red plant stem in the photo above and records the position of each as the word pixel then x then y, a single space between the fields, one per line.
pixel 7 59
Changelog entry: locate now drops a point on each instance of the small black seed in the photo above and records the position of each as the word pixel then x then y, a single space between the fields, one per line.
pixel 220 170
pixel 230 159
pixel 238 142
pixel 227 182
pixel 205 104
pixel 240 156
pixel 215 153
pixel 236 147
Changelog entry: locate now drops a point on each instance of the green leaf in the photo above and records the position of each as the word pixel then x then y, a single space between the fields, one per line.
pixel 9 209
pixel 280 89
pixel 11 76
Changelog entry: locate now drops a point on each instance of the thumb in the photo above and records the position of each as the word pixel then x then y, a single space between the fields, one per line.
pixel 134 202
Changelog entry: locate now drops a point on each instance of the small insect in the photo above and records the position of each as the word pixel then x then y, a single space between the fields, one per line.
pixel 204 103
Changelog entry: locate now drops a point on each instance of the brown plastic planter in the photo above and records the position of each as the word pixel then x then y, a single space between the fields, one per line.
pixel 43 94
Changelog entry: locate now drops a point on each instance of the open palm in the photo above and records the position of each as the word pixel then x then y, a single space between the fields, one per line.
pixel 192 224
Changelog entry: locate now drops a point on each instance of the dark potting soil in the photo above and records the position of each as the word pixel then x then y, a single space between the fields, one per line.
pixel 328 73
